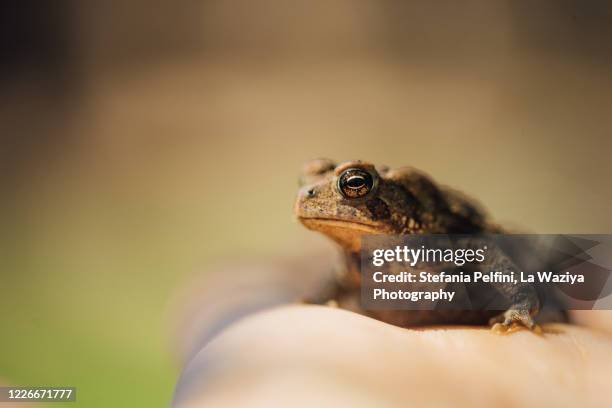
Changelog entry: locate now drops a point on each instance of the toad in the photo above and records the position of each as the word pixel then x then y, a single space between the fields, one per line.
pixel 349 200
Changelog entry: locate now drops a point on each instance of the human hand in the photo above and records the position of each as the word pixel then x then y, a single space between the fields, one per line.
pixel 319 356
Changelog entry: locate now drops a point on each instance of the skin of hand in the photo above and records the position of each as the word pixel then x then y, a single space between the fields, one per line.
pixel 320 356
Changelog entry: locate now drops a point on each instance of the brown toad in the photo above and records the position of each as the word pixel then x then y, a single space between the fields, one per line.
pixel 346 201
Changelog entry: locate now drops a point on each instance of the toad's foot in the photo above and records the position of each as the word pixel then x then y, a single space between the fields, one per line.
pixel 512 320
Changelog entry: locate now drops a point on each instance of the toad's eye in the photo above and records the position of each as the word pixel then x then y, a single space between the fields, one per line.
pixel 355 183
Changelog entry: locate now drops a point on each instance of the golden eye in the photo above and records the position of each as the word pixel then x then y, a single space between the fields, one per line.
pixel 355 183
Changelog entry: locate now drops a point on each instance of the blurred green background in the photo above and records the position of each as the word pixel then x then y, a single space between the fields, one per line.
pixel 141 141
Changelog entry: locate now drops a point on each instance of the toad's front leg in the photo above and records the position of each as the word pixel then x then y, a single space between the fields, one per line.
pixel 525 303
pixel 519 314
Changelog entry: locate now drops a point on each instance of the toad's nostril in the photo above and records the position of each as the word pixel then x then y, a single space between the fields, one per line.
pixel 310 193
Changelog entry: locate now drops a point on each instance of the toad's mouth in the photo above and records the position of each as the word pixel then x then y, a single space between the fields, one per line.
pixel 318 223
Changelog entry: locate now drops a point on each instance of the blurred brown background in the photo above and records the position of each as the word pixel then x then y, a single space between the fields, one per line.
pixel 142 140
